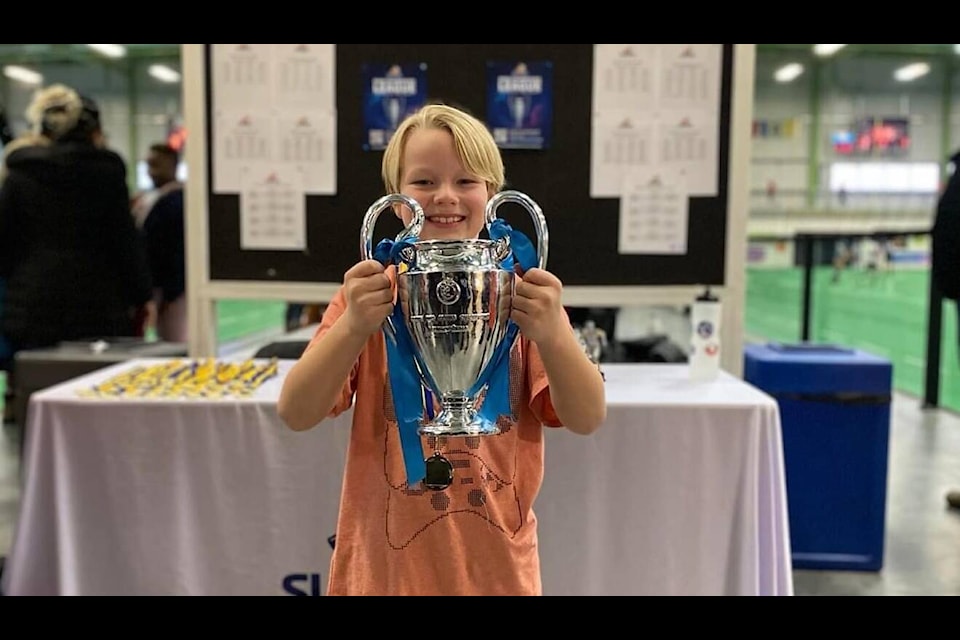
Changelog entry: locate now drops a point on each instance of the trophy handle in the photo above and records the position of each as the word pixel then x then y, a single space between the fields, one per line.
pixel 373 214
pixel 539 220
pixel 369 228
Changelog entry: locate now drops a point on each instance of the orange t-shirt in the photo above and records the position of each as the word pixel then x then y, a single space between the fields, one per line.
pixel 479 537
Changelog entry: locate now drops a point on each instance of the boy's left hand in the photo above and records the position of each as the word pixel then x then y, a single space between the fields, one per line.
pixel 538 307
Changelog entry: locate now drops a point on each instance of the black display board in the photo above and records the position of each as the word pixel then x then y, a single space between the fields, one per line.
pixel 584 232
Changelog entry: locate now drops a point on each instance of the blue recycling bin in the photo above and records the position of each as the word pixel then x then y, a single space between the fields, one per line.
pixel 835 414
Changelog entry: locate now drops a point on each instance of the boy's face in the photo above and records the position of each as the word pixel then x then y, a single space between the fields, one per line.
pixel 453 200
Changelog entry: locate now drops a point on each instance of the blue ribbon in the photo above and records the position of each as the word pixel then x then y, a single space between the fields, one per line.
pixel 496 376
pixel 523 251
pixel 405 383
pixel 404 378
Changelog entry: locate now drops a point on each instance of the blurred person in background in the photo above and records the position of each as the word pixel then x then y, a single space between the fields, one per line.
pixel 6 137
pixel 73 264
pixel 11 143
pixel 946 258
pixel 31 138
pixel 160 214
pixel 6 132
pixel 162 162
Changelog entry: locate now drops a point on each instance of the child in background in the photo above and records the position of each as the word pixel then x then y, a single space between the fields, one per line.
pixel 479 536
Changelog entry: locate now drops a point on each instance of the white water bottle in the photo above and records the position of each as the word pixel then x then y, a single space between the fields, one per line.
pixel 705 317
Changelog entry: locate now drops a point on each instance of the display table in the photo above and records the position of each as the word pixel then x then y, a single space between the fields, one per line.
pixel 681 493
pixel 155 497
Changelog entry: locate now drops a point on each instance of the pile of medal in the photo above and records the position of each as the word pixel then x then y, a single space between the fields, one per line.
pixel 185 380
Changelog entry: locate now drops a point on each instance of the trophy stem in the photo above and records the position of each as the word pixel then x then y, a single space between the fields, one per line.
pixel 458 418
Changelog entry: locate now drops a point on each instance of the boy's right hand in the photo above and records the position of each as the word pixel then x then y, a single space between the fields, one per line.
pixel 370 297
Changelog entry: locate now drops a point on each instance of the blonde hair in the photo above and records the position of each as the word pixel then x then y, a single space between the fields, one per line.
pixel 475 146
pixel 55 111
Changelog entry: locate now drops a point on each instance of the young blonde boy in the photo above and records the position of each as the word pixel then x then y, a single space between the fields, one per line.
pixel 479 537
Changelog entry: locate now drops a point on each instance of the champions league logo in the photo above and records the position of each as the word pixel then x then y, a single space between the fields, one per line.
pixel 519 87
pixel 520 104
pixel 391 93
pixel 394 89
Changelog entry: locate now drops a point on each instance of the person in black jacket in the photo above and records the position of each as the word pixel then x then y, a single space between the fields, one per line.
pixel 946 236
pixel 946 257
pixel 74 266
pixel 10 144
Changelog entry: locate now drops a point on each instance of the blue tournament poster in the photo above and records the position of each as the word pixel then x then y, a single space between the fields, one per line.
pixel 391 93
pixel 520 104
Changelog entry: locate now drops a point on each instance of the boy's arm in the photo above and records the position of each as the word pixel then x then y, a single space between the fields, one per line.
pixel 576 385
pixel 312 387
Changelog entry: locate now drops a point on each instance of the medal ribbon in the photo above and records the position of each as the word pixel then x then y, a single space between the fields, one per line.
pixel 496 376
pixel 404 376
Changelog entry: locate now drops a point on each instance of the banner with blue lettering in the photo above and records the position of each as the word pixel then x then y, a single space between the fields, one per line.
pixel 391 92
pixel 520 104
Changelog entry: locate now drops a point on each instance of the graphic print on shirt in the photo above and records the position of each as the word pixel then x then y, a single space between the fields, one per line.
pixel 485 476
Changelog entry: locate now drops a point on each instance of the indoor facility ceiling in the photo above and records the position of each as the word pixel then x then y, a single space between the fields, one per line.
pixel 53 53
pixel 878 49
pixel 60 53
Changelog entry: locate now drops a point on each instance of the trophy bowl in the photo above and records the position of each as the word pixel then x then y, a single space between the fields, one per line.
pixel 455 298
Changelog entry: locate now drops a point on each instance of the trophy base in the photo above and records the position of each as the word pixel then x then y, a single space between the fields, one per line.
pixel 459 422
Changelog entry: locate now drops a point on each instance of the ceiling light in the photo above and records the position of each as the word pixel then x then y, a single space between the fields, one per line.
pixel 825 50
pixel 788 73
pixel 164 73
pixel 110 50
pixel 22 74
pixel 912 72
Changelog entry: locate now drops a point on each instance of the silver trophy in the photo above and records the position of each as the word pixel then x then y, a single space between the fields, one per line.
pixel 455 301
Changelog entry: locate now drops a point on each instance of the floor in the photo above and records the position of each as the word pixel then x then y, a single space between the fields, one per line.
pixel 923 535
pixel 9 487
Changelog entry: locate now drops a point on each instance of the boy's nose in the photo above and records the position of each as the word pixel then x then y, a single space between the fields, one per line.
pixel 446 193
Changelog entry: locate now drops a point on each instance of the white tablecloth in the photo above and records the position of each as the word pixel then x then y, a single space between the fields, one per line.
pixel 172 498
pixel 682 492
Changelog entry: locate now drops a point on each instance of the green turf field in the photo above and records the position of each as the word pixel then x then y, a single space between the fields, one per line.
pixel 883 313
pixel 240 319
